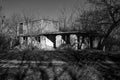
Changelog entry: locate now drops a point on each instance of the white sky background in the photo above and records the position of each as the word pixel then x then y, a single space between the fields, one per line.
pixel 40 8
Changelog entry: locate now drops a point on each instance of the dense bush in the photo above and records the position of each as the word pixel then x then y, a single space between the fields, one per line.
pixel 4 42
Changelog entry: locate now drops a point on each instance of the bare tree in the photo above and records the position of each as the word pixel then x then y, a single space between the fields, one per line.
pixel 68 16
pixel 4 39
pixel 2 19
pixel 13 21
pixel 63 20
pixel 27 19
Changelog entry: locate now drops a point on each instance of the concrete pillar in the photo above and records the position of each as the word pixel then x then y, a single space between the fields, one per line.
pixel 78 40
pixel 96 42
pixel 91 41
pixel 63 37
pixel 54 42
pixel 52 38
pixel 21 41
pixel 100 42
pixel 37 38
pixel 26 40
pixel 82 41
pixel 66 38
pixel 11 44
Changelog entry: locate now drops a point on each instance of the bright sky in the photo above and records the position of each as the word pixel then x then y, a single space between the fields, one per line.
pixel 39 8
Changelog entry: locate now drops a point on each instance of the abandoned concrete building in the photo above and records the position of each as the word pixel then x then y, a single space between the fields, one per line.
pixel 44 34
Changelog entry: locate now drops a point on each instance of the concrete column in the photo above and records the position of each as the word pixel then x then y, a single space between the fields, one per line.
pixel 21 41
pixel 78 40
pixel 37 38
pixel 100 42
pixel 82 41
pixel 63 37
pixel 11 44
pixel 54 42
pixel 26 40
pixel 52 38
pixel 96 42
pixel 66 38
pixel 91 41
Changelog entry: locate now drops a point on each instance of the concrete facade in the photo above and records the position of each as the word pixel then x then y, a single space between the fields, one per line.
pixel 37 27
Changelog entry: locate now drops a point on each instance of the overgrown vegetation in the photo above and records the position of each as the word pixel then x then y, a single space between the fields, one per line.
pixel 77 65
pixel 4 42
pixel 104 17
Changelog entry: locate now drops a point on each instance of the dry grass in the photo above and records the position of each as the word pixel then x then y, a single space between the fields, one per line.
pixel 81 65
